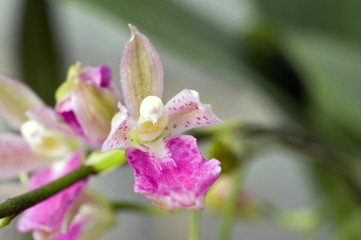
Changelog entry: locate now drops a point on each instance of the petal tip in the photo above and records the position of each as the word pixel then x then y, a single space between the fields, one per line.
pixel 134 31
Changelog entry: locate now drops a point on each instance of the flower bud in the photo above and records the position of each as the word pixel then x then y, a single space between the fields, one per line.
pixel 220 192
pixel 87 102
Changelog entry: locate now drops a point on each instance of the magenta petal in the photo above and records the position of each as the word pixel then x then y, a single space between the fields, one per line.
pixel 93 218
pixel 180 179
pixel 66 110
pixel 51 215
pixel 141 72
pixel 185 111
pixel 16 156
pixel 100 76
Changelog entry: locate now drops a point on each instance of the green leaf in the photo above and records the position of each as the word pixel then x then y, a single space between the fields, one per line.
pixel 331 71
pixel 336 17
pixel 37 50
pixel 169 23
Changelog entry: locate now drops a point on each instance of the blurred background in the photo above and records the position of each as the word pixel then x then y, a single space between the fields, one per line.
pixel 286 71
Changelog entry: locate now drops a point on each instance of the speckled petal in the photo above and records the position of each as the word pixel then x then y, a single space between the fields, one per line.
pixel 55 213
pixel 16 156
pixel 141 72
pixel 185 111
pixel 123 133
pixel 178 179
pixel 15 99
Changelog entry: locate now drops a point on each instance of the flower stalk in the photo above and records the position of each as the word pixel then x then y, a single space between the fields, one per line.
pixel 194 225
pixel 16 205
pixel 231 206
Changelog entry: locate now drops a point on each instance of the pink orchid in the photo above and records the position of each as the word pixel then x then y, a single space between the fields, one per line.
pixel 87 102
pixel 168 167
pixel 54 214
pixel 44 136
pixel 93 218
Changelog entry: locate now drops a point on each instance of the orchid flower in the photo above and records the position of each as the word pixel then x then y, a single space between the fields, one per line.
pixel 93 218
pixel 168 167
pixel 87 102
pixel 44 136
pixel 56 213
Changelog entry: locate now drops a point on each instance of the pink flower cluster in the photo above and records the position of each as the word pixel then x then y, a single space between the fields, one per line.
pixel 168 167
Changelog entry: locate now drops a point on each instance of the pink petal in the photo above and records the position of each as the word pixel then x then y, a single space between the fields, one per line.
pixel 92 220
pixel 66 110
pixel 16 156
pixel 73 232
pixel 179 179
pixel 185 111
pixel 100 76
pixel 123 132
pixel 47 117
pixel 51 214
pixel 141 71
pixel 15 99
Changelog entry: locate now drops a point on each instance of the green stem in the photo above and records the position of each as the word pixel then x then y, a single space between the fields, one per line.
pixel 230 207
pixel 194 225
pixel 16 205
pixel 127 206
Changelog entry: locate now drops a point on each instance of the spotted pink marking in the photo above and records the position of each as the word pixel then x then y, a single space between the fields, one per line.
pixel 174 125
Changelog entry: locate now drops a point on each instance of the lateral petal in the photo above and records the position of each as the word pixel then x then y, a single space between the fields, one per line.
pixel 123 132
pixel 16 156
pixel 185 111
